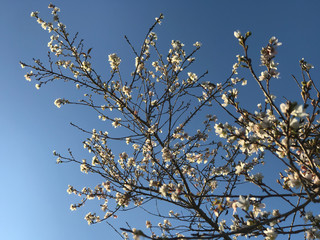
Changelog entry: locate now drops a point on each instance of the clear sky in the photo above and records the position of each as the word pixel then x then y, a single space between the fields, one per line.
pixel 34 203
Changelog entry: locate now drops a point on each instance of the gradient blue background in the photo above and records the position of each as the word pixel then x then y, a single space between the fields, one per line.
pixel 34 203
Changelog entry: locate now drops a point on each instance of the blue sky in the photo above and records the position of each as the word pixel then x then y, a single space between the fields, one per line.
pixel 34 202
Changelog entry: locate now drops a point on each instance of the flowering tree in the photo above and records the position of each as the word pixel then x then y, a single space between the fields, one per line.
pixel 214 181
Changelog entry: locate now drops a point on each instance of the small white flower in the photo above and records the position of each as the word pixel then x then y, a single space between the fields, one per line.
pixel 83 167
pixel 293 180
pixel 114 61
pixel 192 76
pixel 28 76
pixel 264 75
pixel 126 90
pixel 243 203
pixel 284 107
pixel 73 207
pixel 60 101
pixel 197 44
pixel 270 234
pixel 299 112
pixel 116 122
pixel 240 168
pixel 234 68
pixel 177 45
pixel 225 99
pixel 164 190
pixel 244 82
pixel 34 14
pixel 237 34
pixel 86 66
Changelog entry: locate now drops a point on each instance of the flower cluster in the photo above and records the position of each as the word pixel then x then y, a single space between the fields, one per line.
pixel 268 53
pixel 60 101
pixel 114 61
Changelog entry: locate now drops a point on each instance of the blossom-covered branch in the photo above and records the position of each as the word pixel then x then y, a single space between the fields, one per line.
pixel 176 151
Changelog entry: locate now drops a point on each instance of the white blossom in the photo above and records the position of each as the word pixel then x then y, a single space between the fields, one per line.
pixel 264 75
pixel 243 203
pixel 299 112
pixel 164 190
pixel 114 61
pixel 59 102
pixel 34 14
pixel 237 34
pixel 193 77
pixel 28 76
pixel 270 234
pixel 116 123
pixel 197 44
